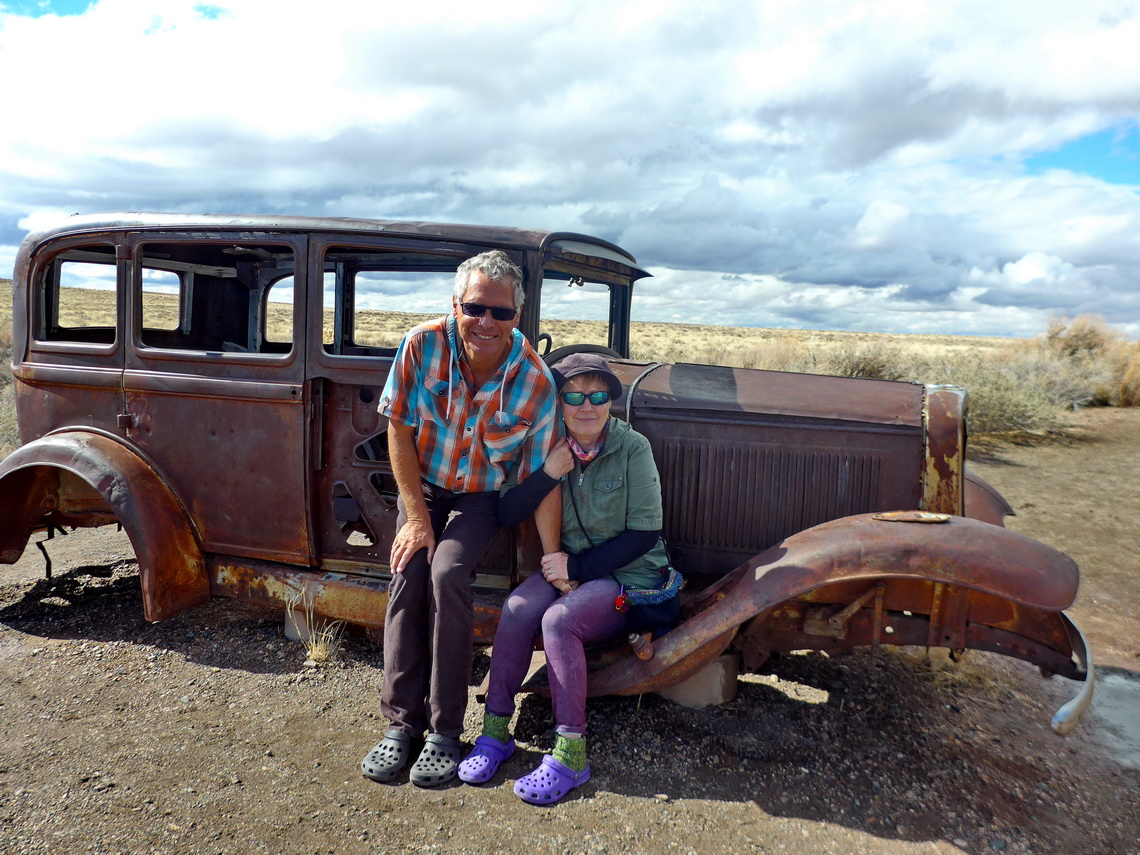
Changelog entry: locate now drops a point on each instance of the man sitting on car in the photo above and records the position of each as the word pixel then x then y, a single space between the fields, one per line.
pixel 468 400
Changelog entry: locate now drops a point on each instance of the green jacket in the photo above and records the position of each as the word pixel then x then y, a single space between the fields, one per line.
pixel 620 489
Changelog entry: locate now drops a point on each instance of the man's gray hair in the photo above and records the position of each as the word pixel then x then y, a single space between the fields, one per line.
pixel 495 265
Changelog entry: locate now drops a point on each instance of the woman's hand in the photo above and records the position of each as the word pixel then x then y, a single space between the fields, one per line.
pixel 560 460
pixel 554 571
pixel 554 566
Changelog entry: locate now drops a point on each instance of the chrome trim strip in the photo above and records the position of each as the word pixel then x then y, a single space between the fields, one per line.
pixel 1068 717
pixel 633 389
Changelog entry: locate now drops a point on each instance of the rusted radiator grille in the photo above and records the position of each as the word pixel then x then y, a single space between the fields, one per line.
pixel 739 497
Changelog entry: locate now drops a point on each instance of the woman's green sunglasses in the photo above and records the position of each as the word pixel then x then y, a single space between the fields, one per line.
pixel 577 399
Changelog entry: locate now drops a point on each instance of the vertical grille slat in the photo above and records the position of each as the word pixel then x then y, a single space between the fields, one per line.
pixel 743 498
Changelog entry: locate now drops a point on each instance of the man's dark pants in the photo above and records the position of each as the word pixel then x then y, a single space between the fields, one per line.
pixel 429 627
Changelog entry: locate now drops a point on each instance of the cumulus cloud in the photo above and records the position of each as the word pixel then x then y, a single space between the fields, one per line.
pixel 842 165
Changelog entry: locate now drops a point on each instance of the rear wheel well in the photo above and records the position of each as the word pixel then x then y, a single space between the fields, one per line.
pixel 87 478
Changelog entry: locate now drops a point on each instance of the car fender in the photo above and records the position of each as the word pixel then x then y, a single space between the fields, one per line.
pixel 33 489
pixel 955 551
pixel 983 502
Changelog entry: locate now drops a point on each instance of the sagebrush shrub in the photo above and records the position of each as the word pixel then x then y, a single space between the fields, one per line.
pixel 1128 388
pixel 5 358
pixel 1083 335
pixel 874 361
pixel 9 431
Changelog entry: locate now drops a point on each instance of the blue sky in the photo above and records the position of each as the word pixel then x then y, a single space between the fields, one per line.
pixel 896 165
pixel 1112 155
pixel 36 8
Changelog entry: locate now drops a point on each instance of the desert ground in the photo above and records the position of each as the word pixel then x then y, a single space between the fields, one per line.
pixel 208 733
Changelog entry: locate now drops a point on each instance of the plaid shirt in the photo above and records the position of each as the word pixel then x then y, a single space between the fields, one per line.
pixel 469 442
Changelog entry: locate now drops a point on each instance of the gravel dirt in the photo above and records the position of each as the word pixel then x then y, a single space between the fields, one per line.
pixel 209 733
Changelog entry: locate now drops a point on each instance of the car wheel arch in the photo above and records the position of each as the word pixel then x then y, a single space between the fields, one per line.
pixel 860 549
pixel 171 563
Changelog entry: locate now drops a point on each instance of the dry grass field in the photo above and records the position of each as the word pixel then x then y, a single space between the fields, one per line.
pixel 1016 385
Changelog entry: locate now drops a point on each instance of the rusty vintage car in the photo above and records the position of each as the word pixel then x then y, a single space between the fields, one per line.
pixel 225 414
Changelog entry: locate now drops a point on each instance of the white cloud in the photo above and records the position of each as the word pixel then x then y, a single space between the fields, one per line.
pixel 845 165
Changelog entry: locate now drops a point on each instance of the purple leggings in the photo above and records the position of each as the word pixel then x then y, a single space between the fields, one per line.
pixel 568 622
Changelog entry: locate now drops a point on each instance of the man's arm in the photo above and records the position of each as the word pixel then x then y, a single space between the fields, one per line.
pixel 416 533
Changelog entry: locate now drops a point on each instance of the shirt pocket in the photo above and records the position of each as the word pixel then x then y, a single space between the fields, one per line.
pixel 504 436
pixel 433 402
pixel 606 498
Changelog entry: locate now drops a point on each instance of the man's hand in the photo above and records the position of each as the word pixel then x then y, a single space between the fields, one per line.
pixel 560 460
pixel 413 536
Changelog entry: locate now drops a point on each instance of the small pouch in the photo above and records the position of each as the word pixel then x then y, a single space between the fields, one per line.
pixel 670 586
pixel 654 609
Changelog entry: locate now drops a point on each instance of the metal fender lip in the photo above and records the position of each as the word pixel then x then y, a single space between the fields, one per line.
pixel 964 552
pixel 171 564
pixel 960 551
pixel 982 501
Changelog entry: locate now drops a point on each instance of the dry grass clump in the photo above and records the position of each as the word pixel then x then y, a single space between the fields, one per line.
pixel 321 638
pixel 872 361
pixel 5 355
pixel 1128 391
pixel 945 669
pixel 1008 391
pixel 9 431
pixel 1085 335
pixel 1107 364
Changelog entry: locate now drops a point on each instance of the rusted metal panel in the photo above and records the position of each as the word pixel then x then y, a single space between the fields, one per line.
pixel 744 496
pixel 166 547
pixel 731 488
pixel 631 675
pixel 238 459
pixel 949 610
pixel 1030 578
pixel 1041 639
pixel 982 502
pixel 28 495
pixel 48 397
pixel 961 551
pixel 945 449
pixel 338 596
pixel 729 391
pixel 356 599
pixel 355 492
pixel 197 226
pixel 749 457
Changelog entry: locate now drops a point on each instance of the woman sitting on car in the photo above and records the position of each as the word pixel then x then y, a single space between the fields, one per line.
pixel 612 554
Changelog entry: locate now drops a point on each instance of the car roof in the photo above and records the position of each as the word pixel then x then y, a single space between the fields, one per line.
pixel 498 236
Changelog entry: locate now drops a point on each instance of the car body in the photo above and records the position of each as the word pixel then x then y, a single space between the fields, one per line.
pixel 223 410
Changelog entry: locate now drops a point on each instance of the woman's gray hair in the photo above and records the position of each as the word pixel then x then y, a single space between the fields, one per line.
pixel 495 265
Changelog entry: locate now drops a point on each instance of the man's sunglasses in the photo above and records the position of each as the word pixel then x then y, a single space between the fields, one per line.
pixel 499 313
pixel 577 399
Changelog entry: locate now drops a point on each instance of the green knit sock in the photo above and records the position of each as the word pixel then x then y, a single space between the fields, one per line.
pixel 571 751
pixel 497 727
